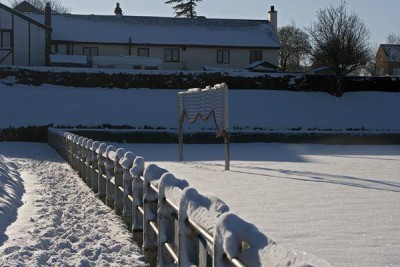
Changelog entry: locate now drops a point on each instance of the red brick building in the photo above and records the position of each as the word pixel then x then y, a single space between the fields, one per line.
pixel 388 60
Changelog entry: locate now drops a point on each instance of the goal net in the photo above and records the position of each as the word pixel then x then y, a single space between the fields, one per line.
pixel 208 103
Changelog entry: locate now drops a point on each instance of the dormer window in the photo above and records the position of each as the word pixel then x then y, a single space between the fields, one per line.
pixel 395 55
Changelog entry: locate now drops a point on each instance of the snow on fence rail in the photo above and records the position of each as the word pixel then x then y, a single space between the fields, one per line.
pixel 174 224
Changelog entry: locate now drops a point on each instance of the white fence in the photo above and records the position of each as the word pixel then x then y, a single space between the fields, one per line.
pixel 174 224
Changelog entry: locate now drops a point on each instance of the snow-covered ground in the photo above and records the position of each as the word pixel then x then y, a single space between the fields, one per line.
pixel 248 109
pixel 61 222
pixel 339 203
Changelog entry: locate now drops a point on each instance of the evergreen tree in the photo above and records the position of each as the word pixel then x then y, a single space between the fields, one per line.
pixel 184 8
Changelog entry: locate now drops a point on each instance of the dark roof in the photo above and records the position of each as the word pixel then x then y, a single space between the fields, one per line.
pixel 26 7
pixel 19 14
pixel 162 30
pixel 388 48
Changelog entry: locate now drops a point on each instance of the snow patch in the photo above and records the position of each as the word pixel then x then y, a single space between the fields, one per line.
pixel 11 191
pixel 242 240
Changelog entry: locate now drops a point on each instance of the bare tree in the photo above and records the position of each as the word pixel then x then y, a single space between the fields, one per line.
pixel 393 39
pixel 295 47
pixel 184 8
pixel 56 5
pixel 339 40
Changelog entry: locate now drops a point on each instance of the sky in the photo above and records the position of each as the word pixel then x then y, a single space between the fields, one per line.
pixel 381 17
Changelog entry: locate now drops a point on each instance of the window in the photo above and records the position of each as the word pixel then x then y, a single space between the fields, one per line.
pixel 62 49
pixel 90 51
pixel 143 52
pixel 395 55
pixel 255 56
pixel 223 56
pixel 171 55
pixel 396 72
pixel 6 40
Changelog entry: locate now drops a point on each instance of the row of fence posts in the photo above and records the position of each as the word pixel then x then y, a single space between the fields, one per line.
pixel 174 224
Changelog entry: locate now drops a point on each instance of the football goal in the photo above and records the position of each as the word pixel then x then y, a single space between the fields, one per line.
pixel 208 103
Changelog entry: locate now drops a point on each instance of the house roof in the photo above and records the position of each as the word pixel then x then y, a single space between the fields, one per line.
pixel 162 30
pixel 25 7
pixel 25 17
pixel 389 48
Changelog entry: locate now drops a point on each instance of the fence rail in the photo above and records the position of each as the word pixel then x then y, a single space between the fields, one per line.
pixel 174 224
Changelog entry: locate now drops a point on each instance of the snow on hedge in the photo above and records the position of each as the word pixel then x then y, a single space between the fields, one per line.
pixel 11 191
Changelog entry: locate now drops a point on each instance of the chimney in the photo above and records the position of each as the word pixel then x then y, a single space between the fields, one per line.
pixel 118 10
pixel 47 15
pixel 273 19
pixel 47 22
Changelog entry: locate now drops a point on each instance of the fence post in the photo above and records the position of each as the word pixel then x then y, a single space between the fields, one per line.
pixel 101 183
pixel 193 207
pixel 136 172
pixel 69 147
pixel 88 160
pixel 150 207
pixel 170 188
pixel 126 164
pixel 245 244
pixel 118 172
pixel 75 152
pixel 83 157
pixel 109 169
pixel 93 165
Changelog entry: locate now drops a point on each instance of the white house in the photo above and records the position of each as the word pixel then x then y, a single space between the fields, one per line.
pixel 23 40
pixel 180 43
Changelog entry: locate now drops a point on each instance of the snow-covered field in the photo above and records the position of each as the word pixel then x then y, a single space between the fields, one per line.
pixel 60 222
pixel 339 203
pixel 248 109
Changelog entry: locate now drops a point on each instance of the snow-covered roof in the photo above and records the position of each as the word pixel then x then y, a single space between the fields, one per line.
pixel 261 65
pixel 162 30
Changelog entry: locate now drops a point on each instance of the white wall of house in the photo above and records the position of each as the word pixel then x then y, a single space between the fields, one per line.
pixel 190 58
pixel 21 42
pixel 5 19
pixel 38 46
pixel 27 45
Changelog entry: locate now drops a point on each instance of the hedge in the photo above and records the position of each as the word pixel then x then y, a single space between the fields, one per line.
pixel 185 80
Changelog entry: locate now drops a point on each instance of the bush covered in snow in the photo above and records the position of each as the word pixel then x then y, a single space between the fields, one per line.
pixel 184 80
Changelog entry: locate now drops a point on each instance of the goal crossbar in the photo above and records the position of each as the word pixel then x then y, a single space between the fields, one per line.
pixel 210 102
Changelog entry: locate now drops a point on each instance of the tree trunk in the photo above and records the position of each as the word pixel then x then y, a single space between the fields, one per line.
pixel 339 86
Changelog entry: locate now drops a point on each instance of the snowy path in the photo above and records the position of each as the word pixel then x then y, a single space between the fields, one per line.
pixel 61 222
pixel 340 203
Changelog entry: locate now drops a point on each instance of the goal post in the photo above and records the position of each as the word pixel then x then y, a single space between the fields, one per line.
pixel 208 103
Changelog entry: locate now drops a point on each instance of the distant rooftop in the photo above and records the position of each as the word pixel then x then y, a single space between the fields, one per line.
pixel 25 7
pixel 162 30
pixel 389 49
